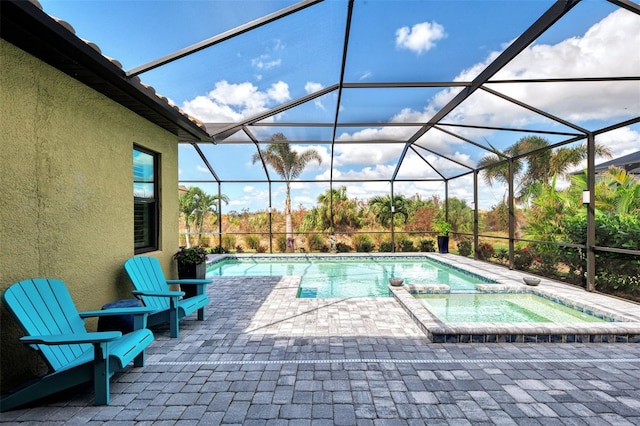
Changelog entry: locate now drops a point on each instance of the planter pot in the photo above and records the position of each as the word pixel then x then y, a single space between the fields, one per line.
pixel 443 244
pixel 396 282
pixel 531 281
pixel 191 271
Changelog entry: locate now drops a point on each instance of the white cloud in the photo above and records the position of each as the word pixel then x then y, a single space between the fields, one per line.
pixel 420 38
pixel 250 197
pixel 415 167
pixel 622 141
pixel 229 102
pixel 279 92
pixel 312 87
pixel 463 189
pixel 264 62
pixel 379 171
pixel 363 153
pixel 303 200
pixel 320 149
pixel 366 190
pixel 607 49
pixel 202 169
pixel 278 44
pixel 365 75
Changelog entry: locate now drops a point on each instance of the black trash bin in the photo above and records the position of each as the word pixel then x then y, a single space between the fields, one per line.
pixel 123 323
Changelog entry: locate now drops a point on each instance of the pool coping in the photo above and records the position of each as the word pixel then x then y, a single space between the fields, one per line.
pixel 627 313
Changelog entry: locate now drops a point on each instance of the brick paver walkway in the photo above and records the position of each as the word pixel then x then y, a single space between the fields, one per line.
pixel 263 357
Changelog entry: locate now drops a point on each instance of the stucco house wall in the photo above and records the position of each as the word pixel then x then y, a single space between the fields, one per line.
pixel 67 192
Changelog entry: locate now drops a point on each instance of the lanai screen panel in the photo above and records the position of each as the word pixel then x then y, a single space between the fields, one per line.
pixel 377 86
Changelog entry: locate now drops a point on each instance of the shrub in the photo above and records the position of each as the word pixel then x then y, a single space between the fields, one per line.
pixel 228 241
pixel 281 243
pixel 406 245
pixel 362 243
pixel 261 249
pixel 615 273
pixel 464 248
pixel 502 255
pixel 253 241
pixel 219 250
pixel 614 282
pixel 546 256
pixel 343 248
pixel 485 251
pixel 523 258
pixel 239 249
pixel 427 245
pixel 385 247
pixel 315 242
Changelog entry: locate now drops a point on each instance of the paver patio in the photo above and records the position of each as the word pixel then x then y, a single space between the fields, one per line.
pixel 264 358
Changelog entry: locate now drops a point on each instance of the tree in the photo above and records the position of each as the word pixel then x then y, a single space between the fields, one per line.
pixel 495 169
pixel 187 207
pixel 381 207
pixel 497 219
pixel 422 214
pixel 546 214
pixel 616 191
pixel 289 164
pixel 196 205
pixel 539 167
pixel 337 210
pixel 207 206
pixel 460 215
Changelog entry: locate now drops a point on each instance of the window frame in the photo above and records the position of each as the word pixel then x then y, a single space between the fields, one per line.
pixel 151 227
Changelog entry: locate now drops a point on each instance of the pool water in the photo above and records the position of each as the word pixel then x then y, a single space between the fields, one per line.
pixel 344 277
pixel 509 308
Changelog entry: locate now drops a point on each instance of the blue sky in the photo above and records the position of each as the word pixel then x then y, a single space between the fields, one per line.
pixel 391 41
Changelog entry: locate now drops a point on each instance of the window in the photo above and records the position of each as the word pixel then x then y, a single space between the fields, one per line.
pixel 145 200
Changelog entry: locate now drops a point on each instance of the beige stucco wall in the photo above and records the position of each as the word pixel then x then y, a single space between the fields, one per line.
pixel 67 192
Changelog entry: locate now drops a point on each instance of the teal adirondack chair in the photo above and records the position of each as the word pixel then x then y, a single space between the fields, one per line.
pixel 44 309
pixel 153 289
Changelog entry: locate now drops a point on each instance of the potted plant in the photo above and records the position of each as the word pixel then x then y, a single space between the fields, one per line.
pixel 443 228
pixel 192 264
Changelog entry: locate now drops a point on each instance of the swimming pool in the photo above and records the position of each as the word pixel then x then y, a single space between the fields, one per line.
pixel 349 276
pixel 620 325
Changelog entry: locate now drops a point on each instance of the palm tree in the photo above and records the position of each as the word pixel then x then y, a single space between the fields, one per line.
pixel 289 165
pixel 187 206
pixel 625 189
pixel 494 170
pixel 196 205
pixel 207 205
pixel 548 208
pixel 616 191
pixel 337 210
pixel 539 167
pixel 381 206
